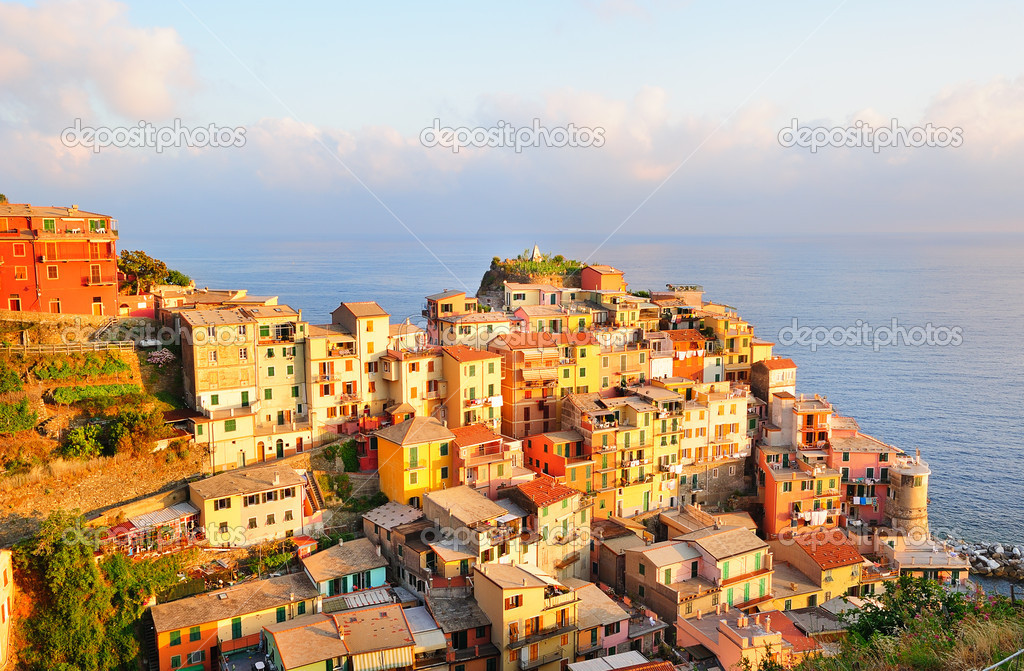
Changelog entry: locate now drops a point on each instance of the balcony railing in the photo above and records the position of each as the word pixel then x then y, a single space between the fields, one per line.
pixel 542 635
pixel 527 664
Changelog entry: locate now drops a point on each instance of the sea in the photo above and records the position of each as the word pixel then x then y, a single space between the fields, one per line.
pixel 919 338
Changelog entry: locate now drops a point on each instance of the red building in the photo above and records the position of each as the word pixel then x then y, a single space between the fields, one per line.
pixel 57 259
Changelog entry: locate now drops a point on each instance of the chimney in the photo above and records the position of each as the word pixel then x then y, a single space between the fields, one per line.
pixel 378 550
pixel 757 619
pixel 718 609
pixel 767 622
pixel 698 613
pixel 277 478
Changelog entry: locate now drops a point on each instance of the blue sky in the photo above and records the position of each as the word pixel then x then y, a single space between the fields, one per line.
pixel 690 95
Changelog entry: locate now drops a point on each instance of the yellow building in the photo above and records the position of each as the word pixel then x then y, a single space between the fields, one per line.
pixel 218 358
pixel 238 508
pixel 829 561
pixel 533 616
pixel 369 325
pixel 415 378
pixel 414 457
pixel 335 376
pixel 473 387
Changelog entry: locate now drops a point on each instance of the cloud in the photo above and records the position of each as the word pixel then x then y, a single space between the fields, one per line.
pixel 74 58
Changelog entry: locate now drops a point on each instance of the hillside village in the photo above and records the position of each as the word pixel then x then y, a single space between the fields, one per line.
pixel 560 474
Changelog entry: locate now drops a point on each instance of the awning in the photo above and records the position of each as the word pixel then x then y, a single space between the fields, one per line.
pixel 379 660
pixel 540 373
pixel 429 641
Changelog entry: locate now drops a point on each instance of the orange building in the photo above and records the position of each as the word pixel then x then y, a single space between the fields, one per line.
pixel 602 278
pixel 688 350
pixel 58 259
pixel 6 605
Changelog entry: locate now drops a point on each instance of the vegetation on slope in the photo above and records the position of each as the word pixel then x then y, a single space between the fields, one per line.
pixel 86 613
pixel 556 270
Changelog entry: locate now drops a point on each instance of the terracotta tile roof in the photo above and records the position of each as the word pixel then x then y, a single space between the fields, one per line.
pixel 365 309
pixel 650 666
pixel 686 335
pixel 249 481
pixel 474 434
pixel 535 339
pixel 800 642
pixel 26 210
pixel 777 364
pixel 465 353
pixel 828 550
pixel 447 293
pixel 370 629
pixel 605 269
pixel 545 490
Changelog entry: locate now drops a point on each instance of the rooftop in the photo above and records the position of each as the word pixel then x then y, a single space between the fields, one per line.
pixel 447 293
pixel 828 550
pixel 624 660
pixel 239 599
pixel 474 434
pixel 343 559
pixel 725 542
pixel 464 353
pixel 668 552
pixel 604 269
pixel 225 317
pixel 509 576
pixel 53 211
pixel 307 640
pixel 416 430
pixel 545 490
pixel 456 613
pixel 596 609
pixel 373 629
pixel 365 309
pixel 247 481
pixel 465 504
pixel 777 364
pixel 861 442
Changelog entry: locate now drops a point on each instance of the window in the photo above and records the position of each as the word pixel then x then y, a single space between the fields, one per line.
pixel 196 657
pixel 55 305
pixel 51 272
pixel 642 592
pixel 50 225
pixel 787 486
pixel 212 357
pixel 214 399
pixel 444 472
pixel 295 392
pixel 19 249
pixel 412 478
pixel 846 456
pixel 243 354
pixel 271 520
pixel 229 424
pixel 252 522
pixel 642 569
pixel 175 661
pixel 193 634
pixel 280 614
pixel 175 638
pixel 221 504
pixel 514 601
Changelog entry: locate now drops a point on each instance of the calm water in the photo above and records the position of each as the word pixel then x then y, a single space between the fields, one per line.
pixel 961 405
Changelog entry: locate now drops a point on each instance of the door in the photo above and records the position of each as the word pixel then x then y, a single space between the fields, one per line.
pixel 245 399
pixel 97 308
pixel 261 451
pixel 280 448
pixel 647 501
pixel 298 444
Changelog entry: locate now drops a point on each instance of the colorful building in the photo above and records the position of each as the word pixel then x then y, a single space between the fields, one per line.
pixel 347 567
pixel 533 616
pixel 560 519
pixel 472 383
pixel 487 461
pixel 415 458
pixel 58 260
pixel 6 605
pixel 602 623
pixel 239 508
pixel 467 631
pixel 192 633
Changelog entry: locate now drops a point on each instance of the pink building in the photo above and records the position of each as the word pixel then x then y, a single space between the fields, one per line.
pixel 864 464
pixel 603 624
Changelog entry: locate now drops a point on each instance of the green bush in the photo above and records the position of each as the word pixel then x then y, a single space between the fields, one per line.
pixel 349 457
pixel 9 379
pixel 67 395
pixel 16 416
pixel 75 367
pixel 82 442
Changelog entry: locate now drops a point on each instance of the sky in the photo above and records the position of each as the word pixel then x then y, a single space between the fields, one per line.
pixel 323 107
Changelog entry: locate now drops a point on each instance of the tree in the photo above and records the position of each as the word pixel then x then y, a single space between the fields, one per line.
pixel 141 270
pixel 3 198
pixel 177 277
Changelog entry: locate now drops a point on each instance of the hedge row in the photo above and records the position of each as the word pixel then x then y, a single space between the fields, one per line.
pixel 66 395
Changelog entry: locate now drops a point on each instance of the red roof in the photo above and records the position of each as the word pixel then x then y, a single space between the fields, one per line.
pixel 780 622
pixel 829 549
pixel 778 364
pixel 534 339
pixel 465 353
pixel 474 434
pixel 650 666
pixel 685 335
pixel 545 490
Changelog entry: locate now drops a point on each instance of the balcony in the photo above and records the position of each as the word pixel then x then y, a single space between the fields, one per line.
pixel 589 647
pixel 541 635
pixel 99 280
pixel 486 454
pixel 340 351
pixel 527 664
pixel 485 402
